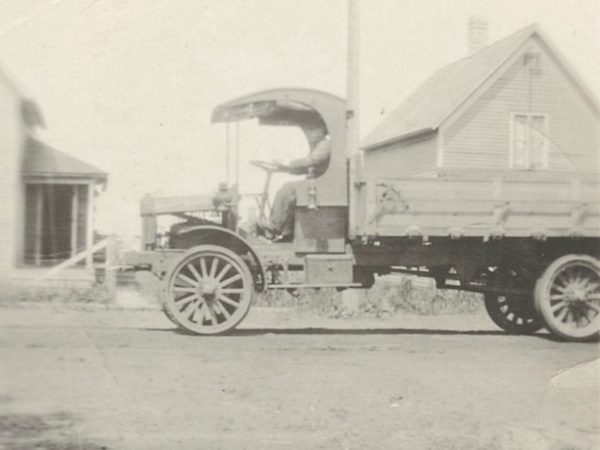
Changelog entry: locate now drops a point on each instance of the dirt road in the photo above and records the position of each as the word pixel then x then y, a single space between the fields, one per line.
pixel 127 380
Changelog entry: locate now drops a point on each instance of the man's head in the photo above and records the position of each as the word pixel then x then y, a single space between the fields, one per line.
pixel 315 132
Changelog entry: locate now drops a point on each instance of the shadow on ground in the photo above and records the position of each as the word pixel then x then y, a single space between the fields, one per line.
pixel 41 431
pixel 354 331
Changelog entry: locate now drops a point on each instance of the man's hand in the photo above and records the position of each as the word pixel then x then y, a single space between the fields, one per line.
pixel 282 166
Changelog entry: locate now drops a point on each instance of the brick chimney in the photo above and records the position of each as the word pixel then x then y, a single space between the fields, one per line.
pixel 477 33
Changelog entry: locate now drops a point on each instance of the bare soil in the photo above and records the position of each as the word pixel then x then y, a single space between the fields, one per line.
pixel 119 379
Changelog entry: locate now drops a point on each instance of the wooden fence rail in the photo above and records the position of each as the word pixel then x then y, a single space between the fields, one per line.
pixel 110 265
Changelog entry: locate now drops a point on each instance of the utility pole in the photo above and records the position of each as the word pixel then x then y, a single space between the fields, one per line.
pixel 352 103
pixel 351 297
pixel 353 78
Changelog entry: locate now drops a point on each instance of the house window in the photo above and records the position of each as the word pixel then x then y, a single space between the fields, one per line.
pixel 529 146
pixel 533 60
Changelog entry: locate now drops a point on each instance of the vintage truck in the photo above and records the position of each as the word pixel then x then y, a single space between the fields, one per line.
pixel 528 241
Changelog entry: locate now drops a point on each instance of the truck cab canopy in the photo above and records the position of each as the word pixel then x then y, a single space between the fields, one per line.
pixel 285 106
pixel 271 112
pixel 302 108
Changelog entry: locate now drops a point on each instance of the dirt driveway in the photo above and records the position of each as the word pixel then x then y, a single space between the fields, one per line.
pixel 127 380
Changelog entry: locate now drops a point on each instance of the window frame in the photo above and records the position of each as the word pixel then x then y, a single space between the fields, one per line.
pixel 527 156
pixel 533 60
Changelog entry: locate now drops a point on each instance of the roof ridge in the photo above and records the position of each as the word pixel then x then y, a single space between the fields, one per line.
pixel 523 34
pixel 413 112
pixel 531 28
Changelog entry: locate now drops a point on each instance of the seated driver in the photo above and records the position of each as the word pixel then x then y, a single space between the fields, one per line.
pixel 281 222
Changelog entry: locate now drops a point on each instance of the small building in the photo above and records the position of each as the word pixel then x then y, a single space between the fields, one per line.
pixel 515 105
pixel 48 197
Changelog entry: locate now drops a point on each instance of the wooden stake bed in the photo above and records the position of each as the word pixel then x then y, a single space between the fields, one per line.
pixel 536 205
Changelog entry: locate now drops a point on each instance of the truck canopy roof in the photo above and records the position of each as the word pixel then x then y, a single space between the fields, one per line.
pixel 286 107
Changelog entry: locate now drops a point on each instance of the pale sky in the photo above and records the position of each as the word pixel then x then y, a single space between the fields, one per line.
pixel 129 85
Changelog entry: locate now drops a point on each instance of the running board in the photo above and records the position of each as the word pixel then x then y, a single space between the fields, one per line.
pixel 313 285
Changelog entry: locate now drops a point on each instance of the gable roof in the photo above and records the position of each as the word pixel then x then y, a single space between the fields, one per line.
pixel 447 88
pixel 30 110
pixel 42 160
pixel 6 80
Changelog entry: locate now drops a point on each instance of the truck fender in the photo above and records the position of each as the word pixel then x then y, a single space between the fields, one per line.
pixel 188 238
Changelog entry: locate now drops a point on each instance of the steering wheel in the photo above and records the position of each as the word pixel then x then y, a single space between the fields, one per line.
pixel 268 166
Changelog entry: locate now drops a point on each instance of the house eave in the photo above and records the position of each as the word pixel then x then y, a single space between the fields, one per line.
pixel 400 138
pixel 50 177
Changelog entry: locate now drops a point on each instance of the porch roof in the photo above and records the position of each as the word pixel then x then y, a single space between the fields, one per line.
pixel 41 160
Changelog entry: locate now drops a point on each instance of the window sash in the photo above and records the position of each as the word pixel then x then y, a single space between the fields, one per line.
pixel 529 142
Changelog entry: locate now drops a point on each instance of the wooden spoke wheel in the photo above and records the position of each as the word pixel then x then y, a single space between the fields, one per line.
pixel 514 314
pixel 568 297
pixel 208 291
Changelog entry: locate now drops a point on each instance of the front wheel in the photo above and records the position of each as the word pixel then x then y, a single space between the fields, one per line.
pixel 567 296
pixel 208 291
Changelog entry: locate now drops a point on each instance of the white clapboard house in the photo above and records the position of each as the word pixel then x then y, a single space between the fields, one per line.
pixel 47 198
pixel 515 105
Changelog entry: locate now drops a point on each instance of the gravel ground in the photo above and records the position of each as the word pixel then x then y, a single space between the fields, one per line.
pixel 126 379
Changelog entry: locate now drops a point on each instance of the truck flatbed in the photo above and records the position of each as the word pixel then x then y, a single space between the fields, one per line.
pixel 526 204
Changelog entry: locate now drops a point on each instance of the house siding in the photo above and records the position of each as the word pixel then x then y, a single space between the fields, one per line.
pixel 11 195
pixel 414 157
pixel 481 135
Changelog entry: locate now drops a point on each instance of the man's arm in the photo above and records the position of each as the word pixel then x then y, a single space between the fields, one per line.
pixel 319 155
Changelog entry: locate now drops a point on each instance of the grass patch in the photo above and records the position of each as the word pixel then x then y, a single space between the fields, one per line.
pixel 387 297
pixel 12 294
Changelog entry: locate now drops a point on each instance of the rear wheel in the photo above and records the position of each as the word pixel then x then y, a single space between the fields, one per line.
pixel 568 297
pixel 208 291
pixel 515 314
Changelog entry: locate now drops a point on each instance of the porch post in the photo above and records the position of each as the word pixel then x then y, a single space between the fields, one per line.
pixel 110 266
pixel 89 229
pixel 39 208
pixel 74 214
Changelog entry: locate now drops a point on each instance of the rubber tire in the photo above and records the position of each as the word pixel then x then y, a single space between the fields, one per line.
pixel 170 316
pixel 540 296
pixel 197 250
pixel 501 319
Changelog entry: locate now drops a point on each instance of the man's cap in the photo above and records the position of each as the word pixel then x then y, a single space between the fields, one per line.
pixel 314 122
